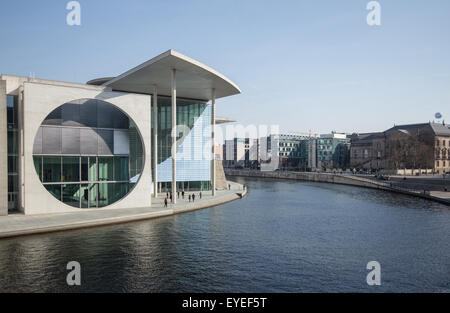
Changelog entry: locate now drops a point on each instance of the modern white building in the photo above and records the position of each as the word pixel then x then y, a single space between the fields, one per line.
pixel 112 142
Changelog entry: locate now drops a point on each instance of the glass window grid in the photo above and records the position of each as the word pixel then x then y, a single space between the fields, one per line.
pixel 80 167
pixel 188 111
pixel 12 103
pixel 94 184
pixel 57 119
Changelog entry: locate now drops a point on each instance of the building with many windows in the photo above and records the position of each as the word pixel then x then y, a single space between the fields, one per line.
pixel 412 148
pixel 367 151
pixel 241 153
pixel 333 151
pixel 110 143
pixel 290 151
pixel 418 146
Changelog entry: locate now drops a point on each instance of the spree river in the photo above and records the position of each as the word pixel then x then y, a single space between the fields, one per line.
pixel 284 237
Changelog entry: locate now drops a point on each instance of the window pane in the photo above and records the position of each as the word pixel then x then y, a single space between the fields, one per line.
pixel 71 169
pixel 37 147
pixel 13 183
pixel 71 114
pixel 89 141
pixel 84 169
pixel 120 190
pixel 121 172
pixel 12 164
pixel 105 169
pixel 103 195
pixel 92 169
pixel 52 169
pixel 121 142
pixel 71 141
pixel 93 194
pixel 105 115
pixel 71 195
pixel 105 142
pixel 121 121
pixel 51 140
pixel 88 113
pixel 55 190
pixel 54 118
pixel 84 192
pixel 38 166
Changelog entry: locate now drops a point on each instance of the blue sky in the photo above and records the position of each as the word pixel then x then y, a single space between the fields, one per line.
pixel 305 65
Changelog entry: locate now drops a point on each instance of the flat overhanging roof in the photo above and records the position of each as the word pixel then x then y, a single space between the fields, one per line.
pixel 194 80
pixel 224 120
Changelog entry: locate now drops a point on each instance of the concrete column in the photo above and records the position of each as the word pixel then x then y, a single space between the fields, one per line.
pixel 3 150
pixel 213 142
pixel 155 142
pixel 174 135
pixel 21 108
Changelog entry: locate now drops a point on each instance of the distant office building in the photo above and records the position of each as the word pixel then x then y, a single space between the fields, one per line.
pixel 290 151
pixel 333 151
pixel 241 153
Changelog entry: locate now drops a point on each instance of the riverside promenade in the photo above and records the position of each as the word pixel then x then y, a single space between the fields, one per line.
pixel 345 179
pixel 18 224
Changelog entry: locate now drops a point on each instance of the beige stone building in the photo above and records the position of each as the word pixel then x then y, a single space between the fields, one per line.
pixel 367 151
pixel 423 146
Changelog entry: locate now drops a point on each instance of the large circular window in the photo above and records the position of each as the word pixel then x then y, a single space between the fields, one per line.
pixel 88 154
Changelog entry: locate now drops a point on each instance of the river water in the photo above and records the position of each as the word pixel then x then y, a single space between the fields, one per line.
pixel 283 237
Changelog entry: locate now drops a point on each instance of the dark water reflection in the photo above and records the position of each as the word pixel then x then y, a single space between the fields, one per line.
pixel 284 237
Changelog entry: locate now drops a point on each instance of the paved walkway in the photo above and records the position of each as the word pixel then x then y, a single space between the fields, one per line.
pixel 441 194
pixel 19 225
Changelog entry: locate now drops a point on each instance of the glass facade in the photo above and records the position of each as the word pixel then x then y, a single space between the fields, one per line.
pixel 88 154
pixel 13 152
pixel 193 151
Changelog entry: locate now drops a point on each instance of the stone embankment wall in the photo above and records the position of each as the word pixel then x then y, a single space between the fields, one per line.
pixel 334 179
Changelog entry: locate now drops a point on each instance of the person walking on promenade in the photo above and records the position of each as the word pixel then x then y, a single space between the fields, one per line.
pixel 193 197
pixel 200 195
pixel 182 194
pixel 189 198
pixel 165 202
pixel 171 198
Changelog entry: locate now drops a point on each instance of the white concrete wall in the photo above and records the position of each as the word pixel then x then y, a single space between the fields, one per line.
pixel 3 151
pixel 15 82
pixel 41 99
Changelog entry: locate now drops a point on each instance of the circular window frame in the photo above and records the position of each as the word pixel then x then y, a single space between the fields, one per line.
pixel 80 155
